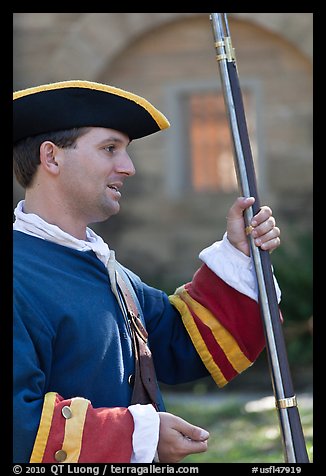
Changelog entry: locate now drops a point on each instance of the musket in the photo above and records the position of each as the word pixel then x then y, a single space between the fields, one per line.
pixel 285 399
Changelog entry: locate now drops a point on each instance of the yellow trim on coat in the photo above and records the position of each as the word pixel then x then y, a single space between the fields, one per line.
pixel 198 341
pixel 44 428
pixel 158 117
pixel 74 428
pixel 222 336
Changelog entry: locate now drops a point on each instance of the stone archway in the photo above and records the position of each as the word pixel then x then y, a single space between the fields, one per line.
pixel 95 38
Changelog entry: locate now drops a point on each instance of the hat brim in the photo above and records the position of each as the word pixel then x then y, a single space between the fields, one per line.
pixel 70 104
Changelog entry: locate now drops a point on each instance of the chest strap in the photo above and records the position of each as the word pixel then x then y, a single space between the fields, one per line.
pixel 145 386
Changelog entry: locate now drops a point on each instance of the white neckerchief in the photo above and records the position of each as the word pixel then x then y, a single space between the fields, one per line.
pixel 34 225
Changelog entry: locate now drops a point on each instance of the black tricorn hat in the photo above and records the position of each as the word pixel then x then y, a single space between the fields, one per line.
pixel 78 103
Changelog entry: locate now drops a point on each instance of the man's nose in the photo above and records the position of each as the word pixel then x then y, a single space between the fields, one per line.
pixel 126 165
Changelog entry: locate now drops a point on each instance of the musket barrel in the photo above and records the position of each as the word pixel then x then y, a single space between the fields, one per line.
pixel 291 430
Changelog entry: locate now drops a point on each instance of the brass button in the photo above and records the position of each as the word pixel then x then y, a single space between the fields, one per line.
pixel 131 379
pixel 60 455
pixel 66 412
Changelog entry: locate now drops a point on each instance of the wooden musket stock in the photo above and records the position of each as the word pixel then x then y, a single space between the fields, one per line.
pixel 285 399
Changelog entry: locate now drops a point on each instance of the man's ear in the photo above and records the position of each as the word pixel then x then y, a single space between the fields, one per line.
pixel 48 151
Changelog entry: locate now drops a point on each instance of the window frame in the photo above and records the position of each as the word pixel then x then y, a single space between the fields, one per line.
pixel 177 170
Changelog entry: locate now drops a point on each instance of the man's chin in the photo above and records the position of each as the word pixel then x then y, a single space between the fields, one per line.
pixel 105 214
pixel 114 209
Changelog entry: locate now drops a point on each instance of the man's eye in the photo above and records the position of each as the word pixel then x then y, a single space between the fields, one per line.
pixel 110 148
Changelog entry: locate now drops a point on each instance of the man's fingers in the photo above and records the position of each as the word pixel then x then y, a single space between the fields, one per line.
pixel 264 227
pixel 178 438
pixel 196 434
pixel 190 431
pixel 238 207
pixel 262 215
pixel 192 446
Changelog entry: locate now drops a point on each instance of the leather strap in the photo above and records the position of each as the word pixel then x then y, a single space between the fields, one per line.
pixel 145 386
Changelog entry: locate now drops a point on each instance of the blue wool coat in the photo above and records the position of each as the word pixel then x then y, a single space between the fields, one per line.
pixel 70 336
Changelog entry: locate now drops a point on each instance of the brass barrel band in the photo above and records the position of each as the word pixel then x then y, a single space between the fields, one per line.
pixel 230 52
pixel 221 57
pixel 286 402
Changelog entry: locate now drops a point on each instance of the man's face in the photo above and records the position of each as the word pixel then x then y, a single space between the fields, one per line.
pixel 92 174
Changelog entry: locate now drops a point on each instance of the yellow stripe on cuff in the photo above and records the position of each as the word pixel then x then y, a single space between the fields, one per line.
pixel 44 428
pixel 74 429
pixel 222 336
pixel 198 341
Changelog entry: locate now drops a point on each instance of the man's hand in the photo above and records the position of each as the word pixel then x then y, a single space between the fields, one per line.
pixel 265 233
pixel 178 439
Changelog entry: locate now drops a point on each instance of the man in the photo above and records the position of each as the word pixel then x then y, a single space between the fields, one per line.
pixel 87 330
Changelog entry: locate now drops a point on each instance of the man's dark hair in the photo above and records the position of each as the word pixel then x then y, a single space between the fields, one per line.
pixel 26 152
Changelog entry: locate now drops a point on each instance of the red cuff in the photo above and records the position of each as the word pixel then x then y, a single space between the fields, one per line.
pixel 72 431
pixel 224 324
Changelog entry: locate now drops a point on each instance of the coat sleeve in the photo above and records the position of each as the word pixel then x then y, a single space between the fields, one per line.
pixel 224 325
pixel 72 431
